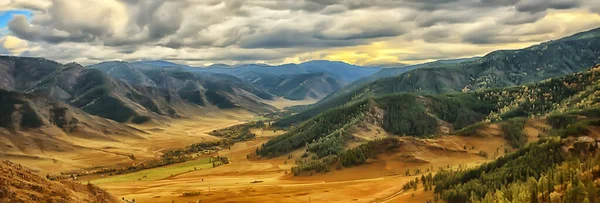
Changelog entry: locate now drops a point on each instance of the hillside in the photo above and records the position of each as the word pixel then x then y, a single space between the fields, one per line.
pixel 19 185
pixel 428 115
pixel 122 91
pixel 496 69
pixel 403 114
pixel 395 71
pixel 551 170
pixel 177 86
pixel 40 130
pixel 297 86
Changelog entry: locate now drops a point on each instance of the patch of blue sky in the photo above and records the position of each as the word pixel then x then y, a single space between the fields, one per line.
pixel 6 16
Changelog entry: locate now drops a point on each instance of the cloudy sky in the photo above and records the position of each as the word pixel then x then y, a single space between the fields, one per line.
pixel 202 32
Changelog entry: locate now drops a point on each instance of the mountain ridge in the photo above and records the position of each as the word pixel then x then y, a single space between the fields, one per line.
pixel 496 69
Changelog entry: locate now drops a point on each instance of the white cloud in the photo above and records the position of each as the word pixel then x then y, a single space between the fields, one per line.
pixel 233 31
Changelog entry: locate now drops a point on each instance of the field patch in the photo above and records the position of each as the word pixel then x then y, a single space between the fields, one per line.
pixel 161 172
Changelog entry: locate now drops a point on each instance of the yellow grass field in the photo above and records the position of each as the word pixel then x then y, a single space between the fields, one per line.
pixel 260 180
pixel 265 180
pixel 160 172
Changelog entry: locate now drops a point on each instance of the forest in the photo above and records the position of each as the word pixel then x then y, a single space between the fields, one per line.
pixel 311 130
pixel 239 132
pixel 348 158
pixel 540 172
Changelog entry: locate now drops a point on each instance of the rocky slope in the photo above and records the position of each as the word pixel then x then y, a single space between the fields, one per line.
pixel 122 91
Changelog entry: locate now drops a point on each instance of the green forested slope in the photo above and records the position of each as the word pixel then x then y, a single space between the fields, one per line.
pixel 496 69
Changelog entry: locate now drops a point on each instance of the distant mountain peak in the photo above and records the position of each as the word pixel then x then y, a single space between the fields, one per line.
pixel 160 63
pixel 220 65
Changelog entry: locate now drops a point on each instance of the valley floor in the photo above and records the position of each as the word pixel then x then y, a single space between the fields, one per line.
pixel 249 179
pixel 264 180
pixel 52 153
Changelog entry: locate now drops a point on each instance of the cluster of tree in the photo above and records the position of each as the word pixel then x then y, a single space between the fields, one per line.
pixel 168 158
pixel 575 180
pixel 351 157
pixel 310 166
pixel 332 144
pixel 471 130
pixel 199 147
pixel 528 162
pixel 426 180
pixel 239 132
pixel 406 116
pixel 513 132
pixel 574 91
pixel 461 110
pixel 311 130
pixel 574 123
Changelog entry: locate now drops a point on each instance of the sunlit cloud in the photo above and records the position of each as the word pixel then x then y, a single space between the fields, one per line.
pixel 202 32
pixel 13 45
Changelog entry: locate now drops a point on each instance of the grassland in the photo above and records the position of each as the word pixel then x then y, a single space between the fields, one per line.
pixel 161 172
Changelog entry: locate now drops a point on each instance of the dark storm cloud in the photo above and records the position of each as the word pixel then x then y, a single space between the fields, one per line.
pixel 519 18
pixel 287 38
pixel 436 35
pixel 542 5
pixel 443 17
pixel 21 28
pixel 491 34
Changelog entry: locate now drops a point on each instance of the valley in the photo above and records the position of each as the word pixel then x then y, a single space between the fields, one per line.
pixel 517 125
pixel 256 179
pixel 72 152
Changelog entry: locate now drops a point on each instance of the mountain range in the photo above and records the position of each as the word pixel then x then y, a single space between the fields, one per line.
pixel 497 69
pixel 144 90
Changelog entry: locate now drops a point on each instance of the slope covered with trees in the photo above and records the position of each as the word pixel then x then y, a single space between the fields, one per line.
pixel 425 115
pixel 496 69
pixel 541 172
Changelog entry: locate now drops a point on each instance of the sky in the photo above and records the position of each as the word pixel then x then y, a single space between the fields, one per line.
pixel 362 32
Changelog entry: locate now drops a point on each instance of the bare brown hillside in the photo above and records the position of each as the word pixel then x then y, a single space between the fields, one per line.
pixel 17 184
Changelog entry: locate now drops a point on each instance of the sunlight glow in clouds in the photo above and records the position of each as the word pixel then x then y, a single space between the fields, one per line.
pixel 202 32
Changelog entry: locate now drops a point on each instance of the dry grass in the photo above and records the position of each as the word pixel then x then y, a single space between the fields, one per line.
pixel 263 180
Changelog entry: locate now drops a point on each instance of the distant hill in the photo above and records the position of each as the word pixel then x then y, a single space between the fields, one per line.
pixel 496 69
pixel 297 86
pixel 162 90
pixel 391 72
pixel 124 91
pixel 320 77
pixel 159 63
pixel 339 70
